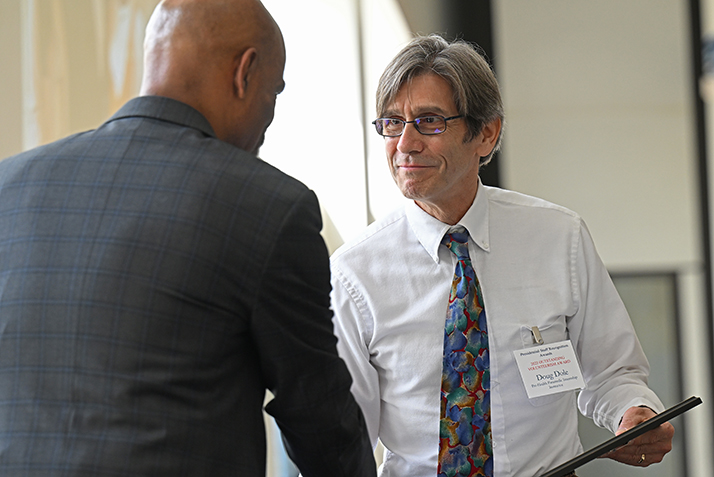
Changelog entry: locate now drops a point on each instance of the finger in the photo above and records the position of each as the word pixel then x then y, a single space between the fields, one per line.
pixel 656 442
pixel 632 455
pixel 658 439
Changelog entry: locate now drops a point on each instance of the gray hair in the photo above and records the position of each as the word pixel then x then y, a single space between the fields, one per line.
pixel 476 92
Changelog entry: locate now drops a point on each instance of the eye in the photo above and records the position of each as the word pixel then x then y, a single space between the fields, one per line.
pixel 392 125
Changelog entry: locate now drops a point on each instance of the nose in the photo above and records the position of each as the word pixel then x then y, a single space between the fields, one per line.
pixel 411 140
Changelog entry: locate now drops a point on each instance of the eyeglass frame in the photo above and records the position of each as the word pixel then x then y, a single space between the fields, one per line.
pixel 416 124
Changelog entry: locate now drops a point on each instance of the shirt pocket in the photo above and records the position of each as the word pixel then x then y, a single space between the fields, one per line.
pixel 552 331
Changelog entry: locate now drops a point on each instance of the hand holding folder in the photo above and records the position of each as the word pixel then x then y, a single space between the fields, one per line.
pixel 649 448
pixel 624 439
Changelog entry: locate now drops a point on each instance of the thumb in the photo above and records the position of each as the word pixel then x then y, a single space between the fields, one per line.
pixel 632 417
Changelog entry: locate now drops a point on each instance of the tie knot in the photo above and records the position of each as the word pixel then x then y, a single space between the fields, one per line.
pixel 457 241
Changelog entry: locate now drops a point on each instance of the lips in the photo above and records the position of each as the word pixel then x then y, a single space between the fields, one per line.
pixel 410 162
pixel 413 167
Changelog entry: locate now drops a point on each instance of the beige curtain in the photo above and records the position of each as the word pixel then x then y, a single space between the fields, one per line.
pixel 86 58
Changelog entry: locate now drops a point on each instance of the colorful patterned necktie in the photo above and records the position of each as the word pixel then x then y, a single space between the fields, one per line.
pixel 465 426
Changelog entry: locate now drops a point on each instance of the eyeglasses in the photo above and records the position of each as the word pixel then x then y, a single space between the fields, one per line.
pixel 427 125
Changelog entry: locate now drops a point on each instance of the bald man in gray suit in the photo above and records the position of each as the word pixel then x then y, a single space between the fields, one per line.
pixel 156 278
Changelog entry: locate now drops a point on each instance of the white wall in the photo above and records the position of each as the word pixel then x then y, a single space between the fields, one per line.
pixel 324 71
pixel 599 119
pixel 322 77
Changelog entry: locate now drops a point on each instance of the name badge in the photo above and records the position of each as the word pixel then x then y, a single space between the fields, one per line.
pixel 549 369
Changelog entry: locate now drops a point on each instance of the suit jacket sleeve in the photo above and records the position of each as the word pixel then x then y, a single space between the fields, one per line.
pixel 322 425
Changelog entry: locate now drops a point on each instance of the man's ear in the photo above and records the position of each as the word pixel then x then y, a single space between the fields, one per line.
pixel 245 71
pixel 488 137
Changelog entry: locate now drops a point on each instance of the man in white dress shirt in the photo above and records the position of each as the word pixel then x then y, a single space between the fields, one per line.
pixel 541 280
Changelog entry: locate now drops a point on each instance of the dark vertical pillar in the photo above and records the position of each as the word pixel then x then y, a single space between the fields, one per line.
pixel 471 20
pixel 696 43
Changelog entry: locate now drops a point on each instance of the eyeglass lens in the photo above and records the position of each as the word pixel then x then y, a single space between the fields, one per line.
pixel 425 125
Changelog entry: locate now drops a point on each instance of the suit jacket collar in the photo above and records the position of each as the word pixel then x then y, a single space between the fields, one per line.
pixel 165 109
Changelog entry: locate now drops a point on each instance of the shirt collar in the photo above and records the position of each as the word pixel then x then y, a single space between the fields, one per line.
pixel 429 230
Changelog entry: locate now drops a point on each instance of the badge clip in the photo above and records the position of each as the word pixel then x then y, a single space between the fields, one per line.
pixel 536 335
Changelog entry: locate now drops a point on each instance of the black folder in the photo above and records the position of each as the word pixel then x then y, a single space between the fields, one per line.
pixel 624 438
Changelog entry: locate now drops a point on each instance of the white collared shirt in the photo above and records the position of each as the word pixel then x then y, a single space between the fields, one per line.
pixel 537 266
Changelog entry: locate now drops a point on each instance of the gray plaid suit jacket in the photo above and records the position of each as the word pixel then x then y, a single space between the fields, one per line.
pixel 154 281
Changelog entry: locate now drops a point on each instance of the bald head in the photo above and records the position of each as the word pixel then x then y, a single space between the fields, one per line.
pixel 222 57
